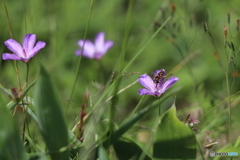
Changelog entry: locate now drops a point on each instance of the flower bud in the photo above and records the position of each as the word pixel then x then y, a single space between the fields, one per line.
pixel 173 8
pixel 238 22
pixel 225 31
pixel 229 18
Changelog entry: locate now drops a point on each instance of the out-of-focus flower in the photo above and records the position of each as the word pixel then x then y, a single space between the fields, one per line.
pixel 94 50
pixel 26 51
pixel 16 95
pixel 156 86
pixel 191 122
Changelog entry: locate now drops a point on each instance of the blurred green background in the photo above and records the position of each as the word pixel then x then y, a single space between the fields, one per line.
pixel 62 23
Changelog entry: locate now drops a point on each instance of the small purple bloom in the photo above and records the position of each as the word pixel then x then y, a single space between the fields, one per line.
pixel 155 86
pixel 94 50
pixel 26 51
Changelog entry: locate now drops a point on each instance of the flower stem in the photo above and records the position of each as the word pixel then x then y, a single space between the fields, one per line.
pixel 25 113
pixel 18 79
pixel 27 80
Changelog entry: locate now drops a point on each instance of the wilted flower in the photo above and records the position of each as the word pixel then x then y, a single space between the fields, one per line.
pixel 16 95
pixel 155 86
pixel 26 51
pixel 94 50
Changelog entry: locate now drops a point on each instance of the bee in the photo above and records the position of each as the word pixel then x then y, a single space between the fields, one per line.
pixel 159 76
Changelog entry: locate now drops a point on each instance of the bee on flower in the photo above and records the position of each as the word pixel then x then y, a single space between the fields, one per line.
pixel 156 86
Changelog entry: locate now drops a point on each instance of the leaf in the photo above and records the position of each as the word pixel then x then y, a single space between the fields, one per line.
pixel 7 91
pixel 237 142
pixel 173 139
pixel 50 118
pixel 126 148
pixel 11 147
pixel 102 153
pixel 73 141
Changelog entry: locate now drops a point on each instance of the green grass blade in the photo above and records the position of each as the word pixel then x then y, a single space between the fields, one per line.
pixel 11 147
pixel 237 142
pixel 7 91
pixel 145 45
pixel 50 117
pixel 173 139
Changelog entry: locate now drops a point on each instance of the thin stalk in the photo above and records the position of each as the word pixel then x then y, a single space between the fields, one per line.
pixel 121 64
pixel 136 108
pixel 144 46
pixel 25 15
pixel 150 140
pixel 10 32
pixel 229 108
pixel 17 73
pixel 229 102
pixel 215 48
pixel 27 80
pixel 25 113
pixel 80 57
pixel 201 153
pixel 9 24
pixel 226 99
pixel 127 27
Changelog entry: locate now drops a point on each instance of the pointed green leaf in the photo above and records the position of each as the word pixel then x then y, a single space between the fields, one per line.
pixel 126 148
pixel 237 142
pixel 73 141
pixel 50 118
pixel 11 147
pixel 173 139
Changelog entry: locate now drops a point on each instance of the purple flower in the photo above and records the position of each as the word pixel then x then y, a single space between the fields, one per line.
pixel 155 86
pixel 26 51
pixel 94 50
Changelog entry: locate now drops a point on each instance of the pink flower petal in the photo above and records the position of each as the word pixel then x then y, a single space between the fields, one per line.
pixel 99 42
pixel 169 83
pixel 28 43
pixel 37 47
pixel 108 45
pixel 144 91
pixel 147 82
pixel 15 47
pixel 8 56
pixel 78 52
pixel 88 48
